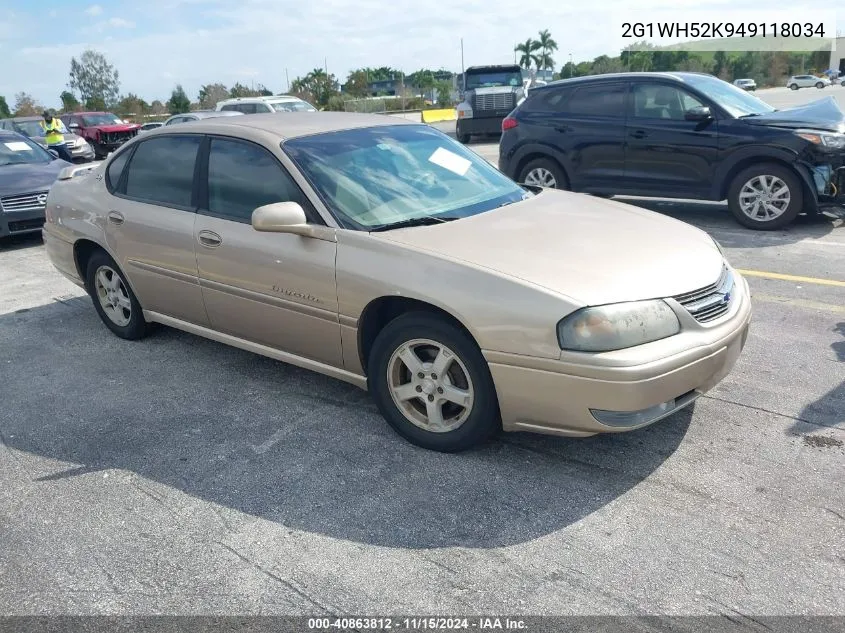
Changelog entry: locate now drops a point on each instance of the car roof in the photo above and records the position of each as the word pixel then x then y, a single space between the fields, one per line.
pixel 262 98
pixel 289 125
pixel 26 118
pixel 680 77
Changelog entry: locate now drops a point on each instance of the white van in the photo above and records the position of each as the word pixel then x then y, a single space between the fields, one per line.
pixel 255 105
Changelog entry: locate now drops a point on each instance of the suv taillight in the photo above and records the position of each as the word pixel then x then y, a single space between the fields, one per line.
pixel 509 123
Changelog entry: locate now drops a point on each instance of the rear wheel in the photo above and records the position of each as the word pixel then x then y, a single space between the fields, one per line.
pixel 793 86
pixel 432 384
pixel 820 85
pixel 765 197
pixel 113 299
pixel 543 172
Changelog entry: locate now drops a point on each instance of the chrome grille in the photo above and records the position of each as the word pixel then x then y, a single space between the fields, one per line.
pixel 26 202
pixel 711 302
pixel 500 101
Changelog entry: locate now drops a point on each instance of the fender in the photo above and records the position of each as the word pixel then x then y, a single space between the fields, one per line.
pixel 760 153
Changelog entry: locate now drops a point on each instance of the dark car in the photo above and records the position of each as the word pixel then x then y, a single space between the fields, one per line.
pixel 27 171
pixel 104 131
pixel 679 135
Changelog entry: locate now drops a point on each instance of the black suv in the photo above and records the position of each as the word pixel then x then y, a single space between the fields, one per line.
pixel 679 135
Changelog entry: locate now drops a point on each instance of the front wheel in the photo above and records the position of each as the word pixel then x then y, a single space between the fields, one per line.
pixel 765 197
pixel 113 299
pixel 462 138
pixel 432 384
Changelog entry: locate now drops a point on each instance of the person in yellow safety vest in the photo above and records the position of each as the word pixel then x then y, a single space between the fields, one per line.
pixel 53 135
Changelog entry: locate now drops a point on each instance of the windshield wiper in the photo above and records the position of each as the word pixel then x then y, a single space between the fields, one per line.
pixel 427 220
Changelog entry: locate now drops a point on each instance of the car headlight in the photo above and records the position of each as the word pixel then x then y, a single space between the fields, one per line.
pixel 617 326
pixel 833 140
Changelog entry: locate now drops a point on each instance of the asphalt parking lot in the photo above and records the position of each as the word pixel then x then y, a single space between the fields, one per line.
pixel 176 475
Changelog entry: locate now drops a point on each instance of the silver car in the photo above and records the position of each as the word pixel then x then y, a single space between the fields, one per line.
pixel 30 126
pixel 807 81
pixel 199 115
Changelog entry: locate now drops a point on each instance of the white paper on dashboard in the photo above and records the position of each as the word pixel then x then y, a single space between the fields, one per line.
pixel 19 146
pixel 451 161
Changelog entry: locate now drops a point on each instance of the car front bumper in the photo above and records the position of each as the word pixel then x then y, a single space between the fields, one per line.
pixel 20 222
pixel 564 398
pixel 81 153
pixel 480 125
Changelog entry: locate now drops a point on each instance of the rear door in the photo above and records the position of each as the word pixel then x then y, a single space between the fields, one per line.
pixel 665 153
pixel 150 225
pixel 274 289
pixel 587 125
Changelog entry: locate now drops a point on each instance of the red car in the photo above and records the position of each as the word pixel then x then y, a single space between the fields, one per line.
pixel 104 131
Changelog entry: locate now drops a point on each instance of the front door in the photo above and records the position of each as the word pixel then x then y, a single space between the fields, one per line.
pixel 665 153
pixel 150 224
pixel 275 289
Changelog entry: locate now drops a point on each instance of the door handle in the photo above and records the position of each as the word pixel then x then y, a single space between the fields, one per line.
pixel 209 239
pixel 639 134
pixel 116 218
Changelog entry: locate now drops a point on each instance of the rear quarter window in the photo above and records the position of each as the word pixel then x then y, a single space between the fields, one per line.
pixel 545 100
pixel 162 171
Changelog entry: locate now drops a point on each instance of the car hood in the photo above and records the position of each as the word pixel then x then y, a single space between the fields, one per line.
pixel 18 179
pixel 823 114
pixel 591 250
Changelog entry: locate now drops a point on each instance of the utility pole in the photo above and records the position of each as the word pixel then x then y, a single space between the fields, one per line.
pixel 463 72
pixel 287 79
pixel 571 67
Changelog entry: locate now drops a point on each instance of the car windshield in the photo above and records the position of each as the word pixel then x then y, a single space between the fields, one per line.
pixel 737 102
pixel 491 80
pixel 16 150
pixel 100 119
pixel 374 177
pixel 33 129
pixel 293 106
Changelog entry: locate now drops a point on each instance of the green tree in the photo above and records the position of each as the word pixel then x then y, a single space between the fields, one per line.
pixel 133 105
pixel 263 91
pixel 211 94
pixel 5 113
pixel 179 101
pixel 357 84
pixel 316 87
pixel 96 81
pixel 547 47
pixel 528 53
pixel 69 101
pixel 25 105
pixel 444 93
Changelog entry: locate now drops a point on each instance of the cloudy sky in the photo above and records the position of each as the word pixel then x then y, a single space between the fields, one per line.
pixel 155 44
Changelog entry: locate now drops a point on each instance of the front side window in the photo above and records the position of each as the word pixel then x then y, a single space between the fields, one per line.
pixel 658 101
pixel 243 177
pixel 162 171
pixel 374 177
pixel 601 100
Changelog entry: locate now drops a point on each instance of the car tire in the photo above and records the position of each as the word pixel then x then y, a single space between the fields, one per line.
pixel 542 170
pixel 757 179
pixel 820 85
pixel 463 138
pixel 793 86
pixel 113 298
pixel 400 366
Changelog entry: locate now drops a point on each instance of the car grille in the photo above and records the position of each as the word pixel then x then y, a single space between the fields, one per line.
pixel 25 225
pixel 500 101
pixel 27 202
pixel 114 138
pixel 711 302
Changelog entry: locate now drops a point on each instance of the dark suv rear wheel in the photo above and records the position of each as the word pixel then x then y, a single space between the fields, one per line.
pixel 765 196
pixel 543 172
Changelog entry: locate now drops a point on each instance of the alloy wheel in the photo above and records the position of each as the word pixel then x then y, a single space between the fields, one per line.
pixel 113 297
pixel 430 385
pixel 764 198
pixel 541 177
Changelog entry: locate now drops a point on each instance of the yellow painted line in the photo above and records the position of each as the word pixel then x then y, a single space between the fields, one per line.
pixel 796 278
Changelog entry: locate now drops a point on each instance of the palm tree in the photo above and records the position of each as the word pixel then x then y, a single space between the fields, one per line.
pixel 526 50
pixel 547 46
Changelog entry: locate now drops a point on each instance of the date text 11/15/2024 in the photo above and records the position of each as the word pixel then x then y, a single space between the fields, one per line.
pixel 706 30
pixel 415 624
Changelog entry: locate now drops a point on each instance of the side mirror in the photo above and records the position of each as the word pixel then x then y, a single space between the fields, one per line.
pixel 281 217
pixel 53 153
pixel 698 113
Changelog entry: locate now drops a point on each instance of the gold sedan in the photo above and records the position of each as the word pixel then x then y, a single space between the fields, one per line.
pixel 383 253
